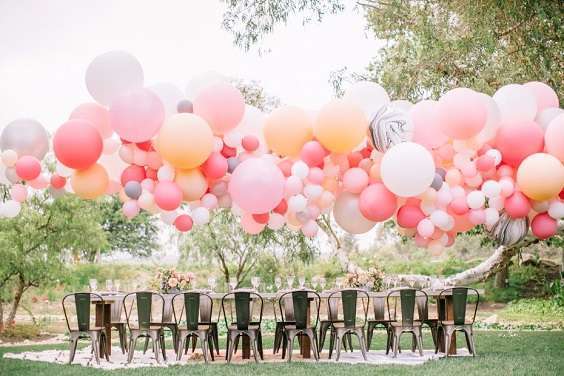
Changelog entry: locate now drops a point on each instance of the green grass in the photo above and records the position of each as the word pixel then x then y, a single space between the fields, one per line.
pixel 499 353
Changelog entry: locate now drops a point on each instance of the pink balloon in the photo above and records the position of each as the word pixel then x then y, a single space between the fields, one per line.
pixel 421 241
pixel 485 163
pixel 168 195
pixel 137 115
pixel 28 167
pixel 409 216
pixel 130 209
pixel 315 175
pixel 459 206
pixel 425 228
pixel 519 140
pixel 39 182
pixel 310 228
pixel 221 105
pixel 58 182
pixel 250 225
pixel 355 180
pixel 293 186
pixel 77 144
pixel 250 143
pixel 462 113
pixel 209 201
pixel 517 205
pixel 377 203
pixel 546 97
pixel 256 186
pixel 215 166
pixel 554 137
pixel 313 153
pixel 477 216
pixel 183 222
pixel 132 173
pixel 544 226
pixel 426 128
pixel 96 115
pixel 18 192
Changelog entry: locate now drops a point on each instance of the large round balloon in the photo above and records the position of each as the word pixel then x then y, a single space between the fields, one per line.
pixel 28 167
pixel 554 137
pixel 287 129
pixel 541 176
pixel 376 203
pixel 340 126
pixel 508 231
pixel 170 96
pixel 407 169
pixel 91 182
pixel 390 126
pixel 168 195
pixel 348 215
pixel 185 141
pixel 257 186
pixel 221 105
pixel 112 74
pixel 462 113
pixel 25 137
pixel 546 97
pixel 518 140
pixel 192 183
pixel 96 115
pixel 137 115
pixel 77 144
pixel 426 125
pixel 516 103
pixel 369 96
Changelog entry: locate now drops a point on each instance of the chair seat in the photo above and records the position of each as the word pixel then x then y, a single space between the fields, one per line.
pixel 293 327
pixel 451 322
pixel 397 324
pixel 380 321
pixel 151 327
pixel 251 327
pixel 200 327
pixel 341 325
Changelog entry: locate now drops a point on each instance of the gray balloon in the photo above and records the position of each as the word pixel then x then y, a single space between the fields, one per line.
pixel 390 126
pixel 12 175
pixel 25 137
pixel 437 182
pixel 133 189
pixel 509 231
pixel 184 106
pixel 232 163
pixel 441 171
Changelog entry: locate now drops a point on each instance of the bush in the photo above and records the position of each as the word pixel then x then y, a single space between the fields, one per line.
pixel 523 282
pixel 21 332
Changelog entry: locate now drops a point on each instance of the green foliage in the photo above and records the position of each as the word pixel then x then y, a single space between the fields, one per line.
pixel 20 332
pixel 255 95
pixel 523 281
pixel 541 308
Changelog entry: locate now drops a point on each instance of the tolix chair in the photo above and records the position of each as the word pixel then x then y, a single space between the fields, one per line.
pixel 404 317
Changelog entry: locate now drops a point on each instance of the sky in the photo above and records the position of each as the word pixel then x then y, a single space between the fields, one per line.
pixel 46 46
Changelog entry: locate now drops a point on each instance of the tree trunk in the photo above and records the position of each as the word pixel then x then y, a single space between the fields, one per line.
pixel 17 298
pixel 1 315
pixel 501 277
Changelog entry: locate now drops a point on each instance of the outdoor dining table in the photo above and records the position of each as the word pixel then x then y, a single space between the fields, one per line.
pixel 103 315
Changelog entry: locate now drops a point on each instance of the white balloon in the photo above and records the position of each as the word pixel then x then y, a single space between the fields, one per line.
pixel 428 207
pixel 233 139
pixel 276 221
pixel 166 173
pixel 425 227
pixel 547 115
pixel 407 169
pixel 111 145
pixel 169 94
pixel 492 216
pixel 201 81
pixel 369 96
pixel 556 210
pixel 492 121
pixel 201 216
pixel 168 217
pixel 440 218
pixel 126 153
pixel 146 200
pixel 491 188
pixel 475 199
pixel 313 191
pixel 9 158
pixel 496 203
pixel 11 209
pixel 300 169
pixel 297 203
pixel 516 103
pixel 495 154
pixel 347 214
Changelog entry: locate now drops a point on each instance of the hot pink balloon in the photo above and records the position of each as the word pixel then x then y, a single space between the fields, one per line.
pixel 96 115
pixel 257 186
pixel 77 144
pixel 377 203
pixel 18 192
pixel 544 226
pixel 221 105
pixel 409 216
pixel 517 205
pixel 519 140
pixel 250 225
pixel 137 115
pixel 426 128
pixel 313 153
pixel 546 97
pixel 250 143
pixel 28 167
pixel 183 222
pixel 130 208
pixel 462 113
pixel 355 180
pixel 215 166
pixel 168 195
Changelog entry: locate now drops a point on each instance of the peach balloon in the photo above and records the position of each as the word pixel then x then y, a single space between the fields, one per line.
pixel 287 129
pixel 91 182
pixel 462 113
pixel 541 176
pixel 222 105
pixel 554 137
pixel 192 183
pixel 340 126
pixel 185 141
pixel 355 180
pixel 96 115
pixel 426 128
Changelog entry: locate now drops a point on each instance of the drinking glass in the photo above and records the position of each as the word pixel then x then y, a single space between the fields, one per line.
pixel 301 281
pixel 255 281
pixel 212 283
pixel 109 285
pixel 314 282
pixel 232 283
pixel 339 283
pixel 278 282
pixel 322 283
pixel 117 284
pixel 93 284
pixel 290 281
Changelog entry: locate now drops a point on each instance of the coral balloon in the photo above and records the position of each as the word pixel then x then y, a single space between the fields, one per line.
pixel 257 186
pixel 347 214
pixel 91 182
pixel 185 141
pixel 215 166
pixel 221 105
pixel 192 183
pixel 554 137
pixel 376 203
pixel 183 222
pixel 426 124
pixel 355 180
pixel 168 195
pixel 287 129
pixel 132 173
pixel 340 126
pixel 313 153
pixel 137 115
pixel 517 205
pixel 250 143
pixel 77 144
pixel 28 167
pixel 517 141
pixel 409 216
pixel 543 226
pixel 462 113
pixel 58 182
pixel 96 115
pixel 250 225
pixel 541 176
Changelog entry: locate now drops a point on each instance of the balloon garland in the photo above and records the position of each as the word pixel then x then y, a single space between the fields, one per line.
pixel 438 168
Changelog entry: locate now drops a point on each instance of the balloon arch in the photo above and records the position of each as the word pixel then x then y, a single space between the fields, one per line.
pixel 437 167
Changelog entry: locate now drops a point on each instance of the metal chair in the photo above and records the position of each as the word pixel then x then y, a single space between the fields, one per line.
pixel 120 325
pixel 407 322
pixel 347 325
pixel 139 308
pixel 379 305
pixel 243 325
pixel 325 325
pixel 423 312
pixel 459 321
pixel 286 318
pixel 298 324
pixel 83 329
pixel 191 312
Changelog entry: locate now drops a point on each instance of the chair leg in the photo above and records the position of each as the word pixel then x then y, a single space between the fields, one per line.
pixel 231 347
pixel 73 343
pixel 259 344
pixel 338 345
pixel 107 346
pixel 360 334
pixel 227 345
pixel 369 334
pixel 277 337
pixel 313 340
pixel 438 335
pixel 323 333
pixel 162 344
pixel 254 339
pixel 284 344
pixel 434 334
pixel 146 345
pixel 236 347
pixel 203 342
pixel 420 341
pixel 396 340
pixel 156 341
pixel 447 342
pixel 211 345
pixel 132 345
pixel 96 349
pixel 290 347
pixel 472 343
pixel 349 338
pixel 331 342
pixel 181 346
pixel 215 338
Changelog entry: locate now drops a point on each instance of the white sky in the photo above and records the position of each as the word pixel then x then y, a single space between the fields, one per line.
pixel 45 47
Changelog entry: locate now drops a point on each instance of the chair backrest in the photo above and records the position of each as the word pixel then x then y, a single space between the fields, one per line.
pixel 407 298
pixel 459 296
pixel 193 305
pixel 295 307
pixel 143 308
pixel 379 305
pixel 76 308
pixel 347 300
pixel 245 300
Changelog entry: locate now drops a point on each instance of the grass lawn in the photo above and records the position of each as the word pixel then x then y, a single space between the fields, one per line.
pixel 499 353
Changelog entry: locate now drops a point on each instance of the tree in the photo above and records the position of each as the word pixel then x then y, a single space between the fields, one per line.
pixel 255 95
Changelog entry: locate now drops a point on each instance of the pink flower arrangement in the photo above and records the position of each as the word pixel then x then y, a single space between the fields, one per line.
pixel 170 280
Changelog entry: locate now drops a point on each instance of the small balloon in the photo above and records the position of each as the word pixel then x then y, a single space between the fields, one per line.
pixel 133 189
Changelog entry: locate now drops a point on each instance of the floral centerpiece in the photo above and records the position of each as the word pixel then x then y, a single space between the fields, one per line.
pixel 371 279
pixel 170 280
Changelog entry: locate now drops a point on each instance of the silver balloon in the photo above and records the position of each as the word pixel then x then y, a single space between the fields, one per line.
pixel 184 106
pixel 509 231
pixel 133 189
pixel 437 182
pixel 25 137
pixel 390 126
pixel 232 164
